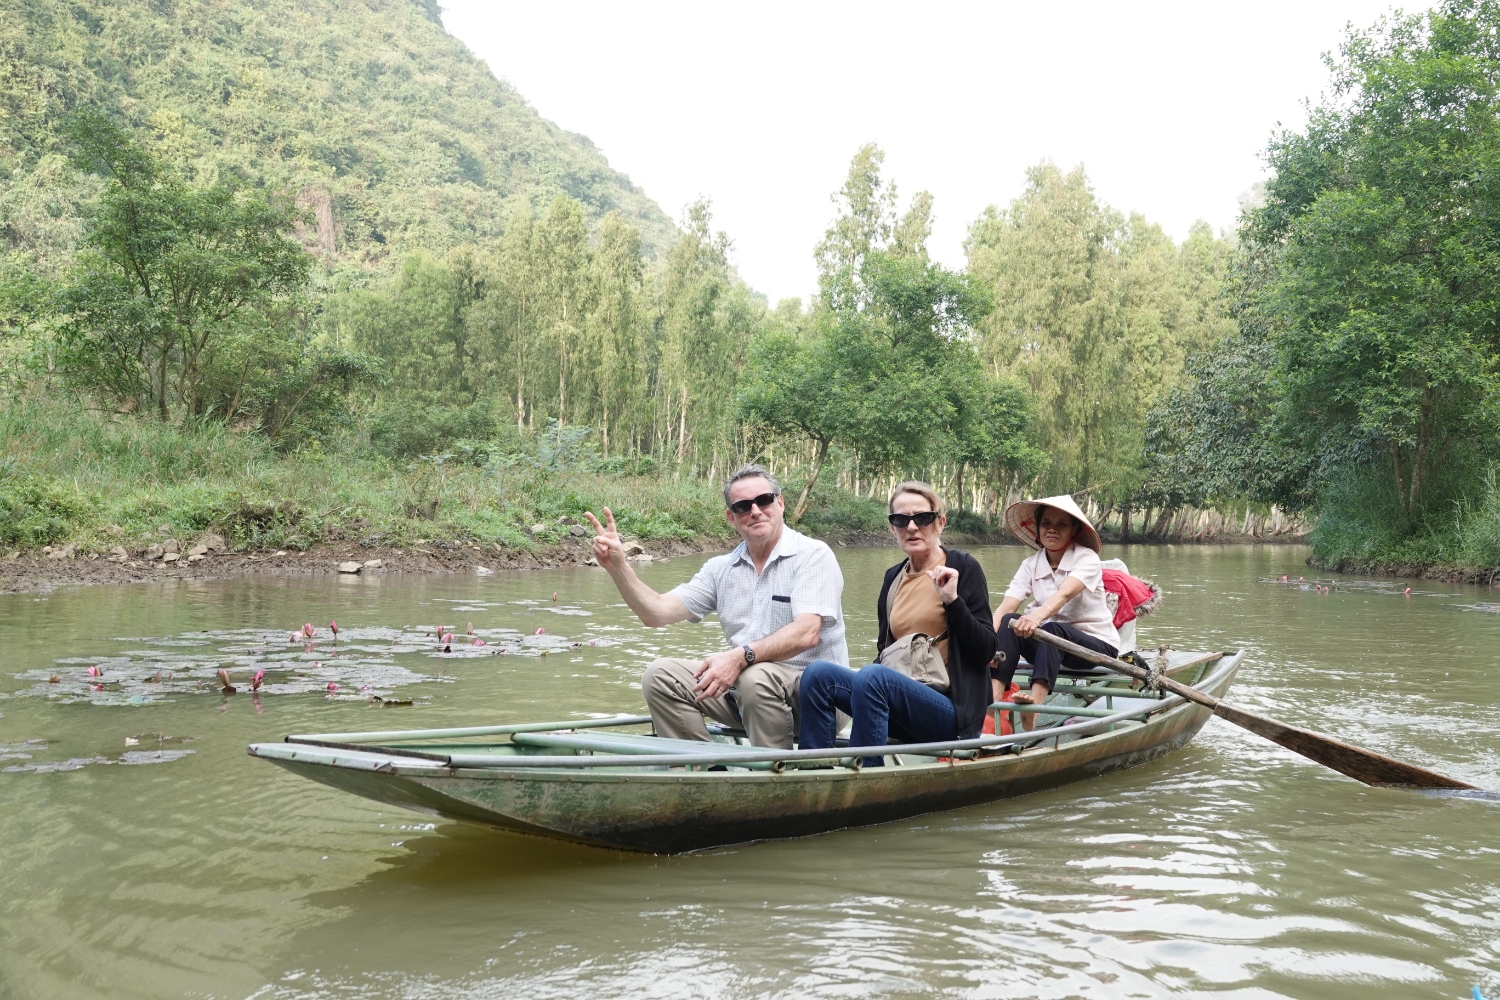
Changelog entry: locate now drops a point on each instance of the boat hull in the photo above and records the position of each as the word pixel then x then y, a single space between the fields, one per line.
pixel 677 811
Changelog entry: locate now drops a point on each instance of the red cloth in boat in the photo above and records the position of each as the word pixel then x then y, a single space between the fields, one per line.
pixel 1133 594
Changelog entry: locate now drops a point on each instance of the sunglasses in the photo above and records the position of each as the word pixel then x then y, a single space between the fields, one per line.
pixel 763 501
pixel 923 519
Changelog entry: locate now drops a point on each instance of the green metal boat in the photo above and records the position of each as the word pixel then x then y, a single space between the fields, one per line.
pixel 611 783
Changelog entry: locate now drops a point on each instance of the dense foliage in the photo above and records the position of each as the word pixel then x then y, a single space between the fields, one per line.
pixel 323 246
pixel 1096 311
pixel 552 327
pixel 886 363
pixel 185 301
pixel 1364 380
pixel 385 127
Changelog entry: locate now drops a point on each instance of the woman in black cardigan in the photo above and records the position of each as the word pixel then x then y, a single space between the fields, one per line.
pixel 941 593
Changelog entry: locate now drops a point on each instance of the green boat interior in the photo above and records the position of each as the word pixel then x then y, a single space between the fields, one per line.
pixel 627 743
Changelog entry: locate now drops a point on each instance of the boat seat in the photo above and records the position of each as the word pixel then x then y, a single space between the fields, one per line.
pixel 1065 671
pixel 621 743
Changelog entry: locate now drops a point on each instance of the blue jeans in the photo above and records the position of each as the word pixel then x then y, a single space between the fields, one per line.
pixel 887 707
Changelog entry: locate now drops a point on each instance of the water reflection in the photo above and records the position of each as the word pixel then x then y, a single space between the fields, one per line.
pixel 1232 867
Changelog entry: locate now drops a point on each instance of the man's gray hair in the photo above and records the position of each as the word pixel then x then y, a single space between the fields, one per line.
pixel 750 470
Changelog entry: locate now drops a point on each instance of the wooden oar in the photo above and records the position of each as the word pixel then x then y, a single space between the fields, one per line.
pixel 1356 762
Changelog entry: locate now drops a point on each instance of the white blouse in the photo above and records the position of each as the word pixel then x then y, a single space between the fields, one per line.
pixel 1087 612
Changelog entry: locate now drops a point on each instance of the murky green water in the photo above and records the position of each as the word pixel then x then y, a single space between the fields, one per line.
pixel 1230 868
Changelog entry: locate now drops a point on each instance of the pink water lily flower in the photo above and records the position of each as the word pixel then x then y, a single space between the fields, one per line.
pixel 308 630
pixel 334 627
pixel 95 672
pixel 257 680
pixel 540 631
pixel 332 686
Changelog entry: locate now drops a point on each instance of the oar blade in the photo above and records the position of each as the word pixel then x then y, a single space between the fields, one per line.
pixel 1356 762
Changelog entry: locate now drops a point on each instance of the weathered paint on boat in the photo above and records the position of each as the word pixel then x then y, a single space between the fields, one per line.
pixel 670 812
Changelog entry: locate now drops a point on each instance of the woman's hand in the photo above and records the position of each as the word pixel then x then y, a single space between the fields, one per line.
pixel 1028 623
pixel 945 580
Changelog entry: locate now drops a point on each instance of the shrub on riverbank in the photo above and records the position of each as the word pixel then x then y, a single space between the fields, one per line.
pixel 100 480
pixel 1361 530
pixel 67 475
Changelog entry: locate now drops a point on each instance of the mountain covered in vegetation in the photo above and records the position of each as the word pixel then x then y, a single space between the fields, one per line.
pixel 387 130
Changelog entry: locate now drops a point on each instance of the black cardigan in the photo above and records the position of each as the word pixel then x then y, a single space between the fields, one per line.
pixel 971 638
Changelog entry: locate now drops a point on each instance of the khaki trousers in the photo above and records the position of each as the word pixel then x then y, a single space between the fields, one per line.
pixel 766 694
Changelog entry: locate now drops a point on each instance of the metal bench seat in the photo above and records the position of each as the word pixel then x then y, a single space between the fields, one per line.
pixel 621 743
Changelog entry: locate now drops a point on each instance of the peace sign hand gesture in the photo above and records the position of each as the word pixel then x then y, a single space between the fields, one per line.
pixel 608 549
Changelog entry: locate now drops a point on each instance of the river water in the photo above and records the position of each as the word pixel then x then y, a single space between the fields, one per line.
pixel 175 865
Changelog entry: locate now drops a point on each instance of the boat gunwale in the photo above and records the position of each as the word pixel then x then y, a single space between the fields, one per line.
pixel 634 768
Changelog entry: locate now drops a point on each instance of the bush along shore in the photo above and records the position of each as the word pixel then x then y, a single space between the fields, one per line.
pixel 87 497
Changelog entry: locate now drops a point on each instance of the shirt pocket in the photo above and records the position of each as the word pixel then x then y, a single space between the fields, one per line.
pixel 777 612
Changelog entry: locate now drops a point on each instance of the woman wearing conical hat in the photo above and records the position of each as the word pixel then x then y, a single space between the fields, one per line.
pixel 1065 580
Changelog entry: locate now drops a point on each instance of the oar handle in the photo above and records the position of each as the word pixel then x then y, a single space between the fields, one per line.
pixel 1120 666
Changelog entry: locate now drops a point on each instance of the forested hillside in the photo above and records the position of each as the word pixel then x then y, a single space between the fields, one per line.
pixel 386 129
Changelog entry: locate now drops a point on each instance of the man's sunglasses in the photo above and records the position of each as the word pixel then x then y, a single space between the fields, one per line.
pixel 763 501
pixel 923 519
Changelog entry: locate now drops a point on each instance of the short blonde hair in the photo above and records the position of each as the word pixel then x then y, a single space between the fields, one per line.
pixel 921 489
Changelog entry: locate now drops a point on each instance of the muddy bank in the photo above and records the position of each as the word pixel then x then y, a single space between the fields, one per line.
pixel 36 573
pixel 1488 576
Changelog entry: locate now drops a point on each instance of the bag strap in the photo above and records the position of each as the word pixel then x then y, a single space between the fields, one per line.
pixel 890 596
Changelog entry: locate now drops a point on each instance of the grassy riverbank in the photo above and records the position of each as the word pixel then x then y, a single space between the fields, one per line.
pixel 1363 536
pixel 97 481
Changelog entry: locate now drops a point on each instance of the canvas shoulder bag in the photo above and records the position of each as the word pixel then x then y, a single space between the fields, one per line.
pixel 916 655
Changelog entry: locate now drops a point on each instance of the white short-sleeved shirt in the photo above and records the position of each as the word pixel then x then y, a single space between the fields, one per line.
pixel 1087 612
pixel 801 577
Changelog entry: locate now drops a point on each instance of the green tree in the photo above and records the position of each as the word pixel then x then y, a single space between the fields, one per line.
pixel 788 388
pixel 705 316
pixel 1096 312
pixel 178 292
pixel 616 345
pixel 884 365
pixel 1382 229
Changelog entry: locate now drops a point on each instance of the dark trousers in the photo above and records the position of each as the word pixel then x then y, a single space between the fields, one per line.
pixel 1044 659
pixel 887 707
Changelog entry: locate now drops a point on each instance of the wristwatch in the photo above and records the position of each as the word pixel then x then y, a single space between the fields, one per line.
pixel 749 655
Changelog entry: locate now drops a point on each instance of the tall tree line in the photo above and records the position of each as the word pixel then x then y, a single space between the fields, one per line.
pixel 1096 311
pixel 556 326
pixel 1364 379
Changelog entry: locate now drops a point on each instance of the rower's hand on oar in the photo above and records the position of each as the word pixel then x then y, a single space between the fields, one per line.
pixel 718 673
pixel 609 551
pixel 1026 625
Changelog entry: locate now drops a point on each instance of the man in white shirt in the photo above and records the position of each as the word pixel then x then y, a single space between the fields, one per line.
pixel 779 597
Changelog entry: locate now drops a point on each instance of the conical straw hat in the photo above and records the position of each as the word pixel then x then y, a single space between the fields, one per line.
pixel 1021 519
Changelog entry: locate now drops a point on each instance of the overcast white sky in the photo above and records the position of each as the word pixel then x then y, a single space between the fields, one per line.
pixel 760 106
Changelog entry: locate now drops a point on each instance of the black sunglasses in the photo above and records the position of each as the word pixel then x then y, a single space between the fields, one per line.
pixel 763 501
pixel 923 519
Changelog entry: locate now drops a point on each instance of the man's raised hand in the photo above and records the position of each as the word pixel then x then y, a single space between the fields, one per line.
pixel 608 549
